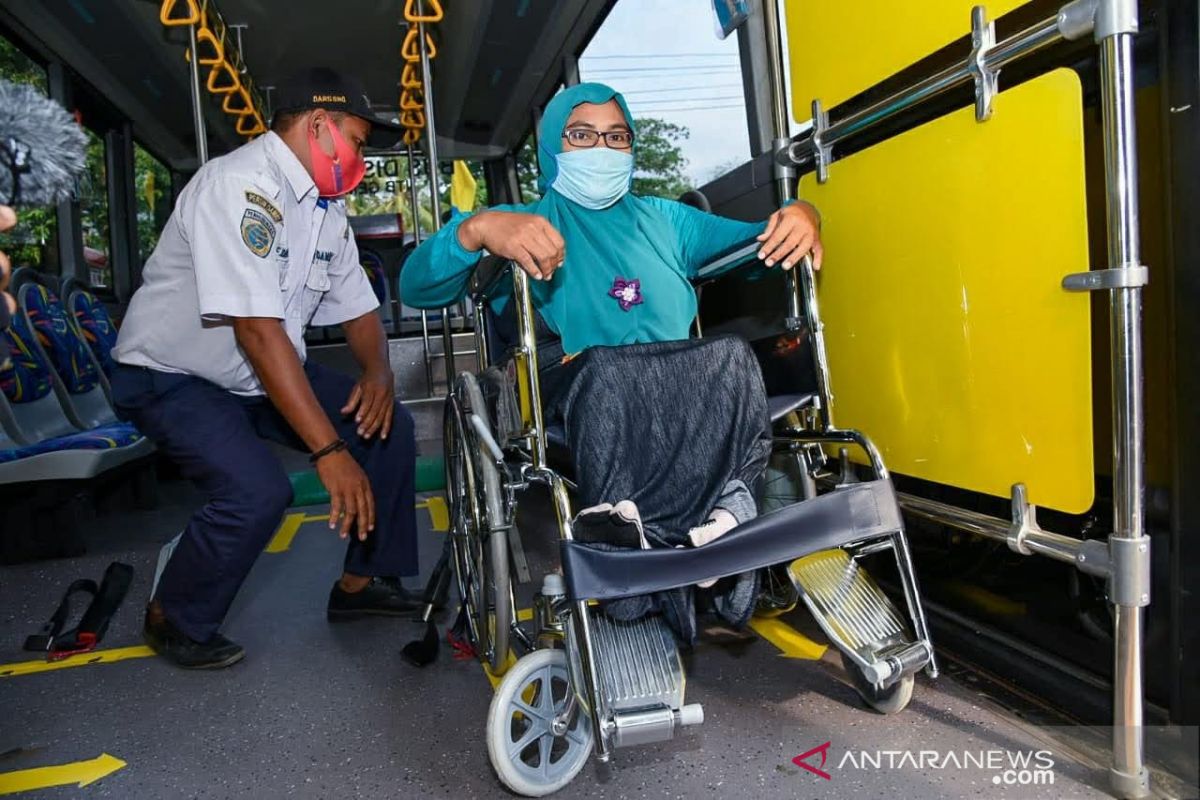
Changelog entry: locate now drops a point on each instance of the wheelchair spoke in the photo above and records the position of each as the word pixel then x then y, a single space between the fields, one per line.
pixel 535 731
pixel 546 701
pixel 530 711
pixel 544 746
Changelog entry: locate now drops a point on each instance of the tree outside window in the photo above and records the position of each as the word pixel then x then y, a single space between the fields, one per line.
pixel 152 180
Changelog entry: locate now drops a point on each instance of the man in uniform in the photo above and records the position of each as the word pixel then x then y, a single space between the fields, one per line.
pixel 211 358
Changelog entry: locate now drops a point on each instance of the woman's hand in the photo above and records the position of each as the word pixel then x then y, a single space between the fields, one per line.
pixel 792 232
pixel 528 239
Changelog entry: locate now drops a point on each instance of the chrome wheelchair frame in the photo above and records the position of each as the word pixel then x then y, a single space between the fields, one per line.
pixel 549 696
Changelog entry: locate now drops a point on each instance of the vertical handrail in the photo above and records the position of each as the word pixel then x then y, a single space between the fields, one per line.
pixel 413 200
pixel 527 338
pixel 1116 25
pixel 197 109
pixel 434 198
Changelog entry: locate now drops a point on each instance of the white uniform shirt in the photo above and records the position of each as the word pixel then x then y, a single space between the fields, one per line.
pixel 249 237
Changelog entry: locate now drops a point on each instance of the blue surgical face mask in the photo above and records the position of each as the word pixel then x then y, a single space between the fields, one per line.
pixel 594 178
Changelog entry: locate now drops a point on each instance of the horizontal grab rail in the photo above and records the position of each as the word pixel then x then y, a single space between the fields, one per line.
pixel 1072 22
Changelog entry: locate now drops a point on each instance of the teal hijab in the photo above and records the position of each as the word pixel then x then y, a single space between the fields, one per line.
pixel 606 249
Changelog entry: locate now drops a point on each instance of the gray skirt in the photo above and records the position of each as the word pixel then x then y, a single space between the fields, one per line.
pixel 680 428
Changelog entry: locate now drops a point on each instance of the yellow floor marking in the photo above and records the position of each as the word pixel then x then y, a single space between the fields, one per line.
pixel 439 515
pixel 80 773
pixel 494 680
pixel 439 518
pixel 791 642
pixel 988 600
pixel 81 660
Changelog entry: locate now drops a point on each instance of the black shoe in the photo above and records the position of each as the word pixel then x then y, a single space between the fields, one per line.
pixel 172 644
pixel 382 596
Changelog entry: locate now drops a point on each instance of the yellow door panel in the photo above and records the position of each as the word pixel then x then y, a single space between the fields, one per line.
pixel 951 342
pixel 838 49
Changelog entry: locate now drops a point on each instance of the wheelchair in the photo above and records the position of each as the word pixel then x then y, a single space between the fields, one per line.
pixel 588 682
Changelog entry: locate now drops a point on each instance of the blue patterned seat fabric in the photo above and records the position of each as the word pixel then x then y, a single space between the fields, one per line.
pixel 59 339
pixel 27 379
pixel 97 325
pixel 106 437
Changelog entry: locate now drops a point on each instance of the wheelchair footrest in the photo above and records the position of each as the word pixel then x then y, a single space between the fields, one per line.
pixel 856 614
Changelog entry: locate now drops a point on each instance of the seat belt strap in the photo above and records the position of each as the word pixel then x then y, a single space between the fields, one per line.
pixel 106 599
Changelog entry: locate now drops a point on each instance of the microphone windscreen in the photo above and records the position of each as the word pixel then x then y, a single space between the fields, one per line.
pixel 42 147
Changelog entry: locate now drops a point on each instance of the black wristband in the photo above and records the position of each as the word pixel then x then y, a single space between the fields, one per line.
pixel 335 446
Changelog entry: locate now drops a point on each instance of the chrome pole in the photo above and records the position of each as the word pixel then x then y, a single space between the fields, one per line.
pixel 527 337
pixel 197 108
pixel 1128 542
pixel 413 199
pixel 435 199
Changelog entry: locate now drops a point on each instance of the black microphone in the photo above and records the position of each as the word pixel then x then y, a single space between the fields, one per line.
pixel 42 146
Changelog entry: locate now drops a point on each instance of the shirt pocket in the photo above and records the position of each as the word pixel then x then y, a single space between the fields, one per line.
pixel 315 287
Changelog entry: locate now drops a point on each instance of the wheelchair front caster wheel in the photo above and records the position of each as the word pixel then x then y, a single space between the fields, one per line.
pixel 886 701
pixel 528 756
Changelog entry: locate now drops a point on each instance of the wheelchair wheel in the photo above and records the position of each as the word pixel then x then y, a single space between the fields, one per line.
pixel 480 545
pixel 887 701
pixel 528 756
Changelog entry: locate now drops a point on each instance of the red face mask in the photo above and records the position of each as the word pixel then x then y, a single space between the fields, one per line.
pixel 340 173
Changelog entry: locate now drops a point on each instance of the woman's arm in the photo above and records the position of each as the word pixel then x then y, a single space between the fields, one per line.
pixel 437 272
pixel 435 275
pixel 786 235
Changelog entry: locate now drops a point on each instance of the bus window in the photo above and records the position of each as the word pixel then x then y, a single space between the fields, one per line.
pixel 33 242
pixel 93 213
pixel 684 87
pixel 153 182
pixel 385 190
pixel 527 172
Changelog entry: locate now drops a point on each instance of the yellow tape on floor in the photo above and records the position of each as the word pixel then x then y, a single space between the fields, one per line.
pixel 80 773
pixel 439 519
pixel 81 660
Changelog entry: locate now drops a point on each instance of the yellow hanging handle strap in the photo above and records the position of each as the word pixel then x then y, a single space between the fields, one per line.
pixel 410 76
pixel 232 83
pixel 411 51
pixel 434 15
pixel 412 119
pixel 412 135
pixel 259 127
pixel 412 99
pixel 168 13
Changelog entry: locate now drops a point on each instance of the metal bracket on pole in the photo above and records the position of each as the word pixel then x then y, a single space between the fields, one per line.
pixel 822 153
pixel 1115 16
pixel 1024 520
pixel 270 109
pixel 237 31
pixel 1130 277
pixel 1129 577
pixel 781 166
pixel 1077 19
pixel 983 39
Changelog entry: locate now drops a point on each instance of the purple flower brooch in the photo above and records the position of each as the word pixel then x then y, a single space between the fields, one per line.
pixel 627 293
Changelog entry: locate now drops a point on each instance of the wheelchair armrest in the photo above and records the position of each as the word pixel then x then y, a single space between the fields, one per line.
pixel 487 277
pixel 726 262
pixel 852 514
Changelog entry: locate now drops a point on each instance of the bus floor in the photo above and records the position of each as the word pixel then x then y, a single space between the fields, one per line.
pixel 331 710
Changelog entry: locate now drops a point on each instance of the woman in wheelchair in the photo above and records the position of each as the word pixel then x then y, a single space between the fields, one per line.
pixel 669 436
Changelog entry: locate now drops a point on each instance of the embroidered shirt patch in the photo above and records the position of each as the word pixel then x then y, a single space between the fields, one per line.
pixel 257 232
pixel 265 204
pixel 627 293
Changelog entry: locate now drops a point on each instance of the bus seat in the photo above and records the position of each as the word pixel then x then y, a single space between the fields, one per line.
pixel 69 285
pixel 80 382
pixel 39 441
pixel 98 328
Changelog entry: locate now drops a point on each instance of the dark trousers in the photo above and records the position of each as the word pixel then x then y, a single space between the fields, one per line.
pixel 216 438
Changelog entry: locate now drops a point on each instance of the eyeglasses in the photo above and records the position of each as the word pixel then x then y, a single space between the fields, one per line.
pixel 585 137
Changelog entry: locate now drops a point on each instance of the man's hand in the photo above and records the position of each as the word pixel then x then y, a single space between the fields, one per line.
pixel 350 497
pixel 792 232
pixel 372 402
pixel 528 239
